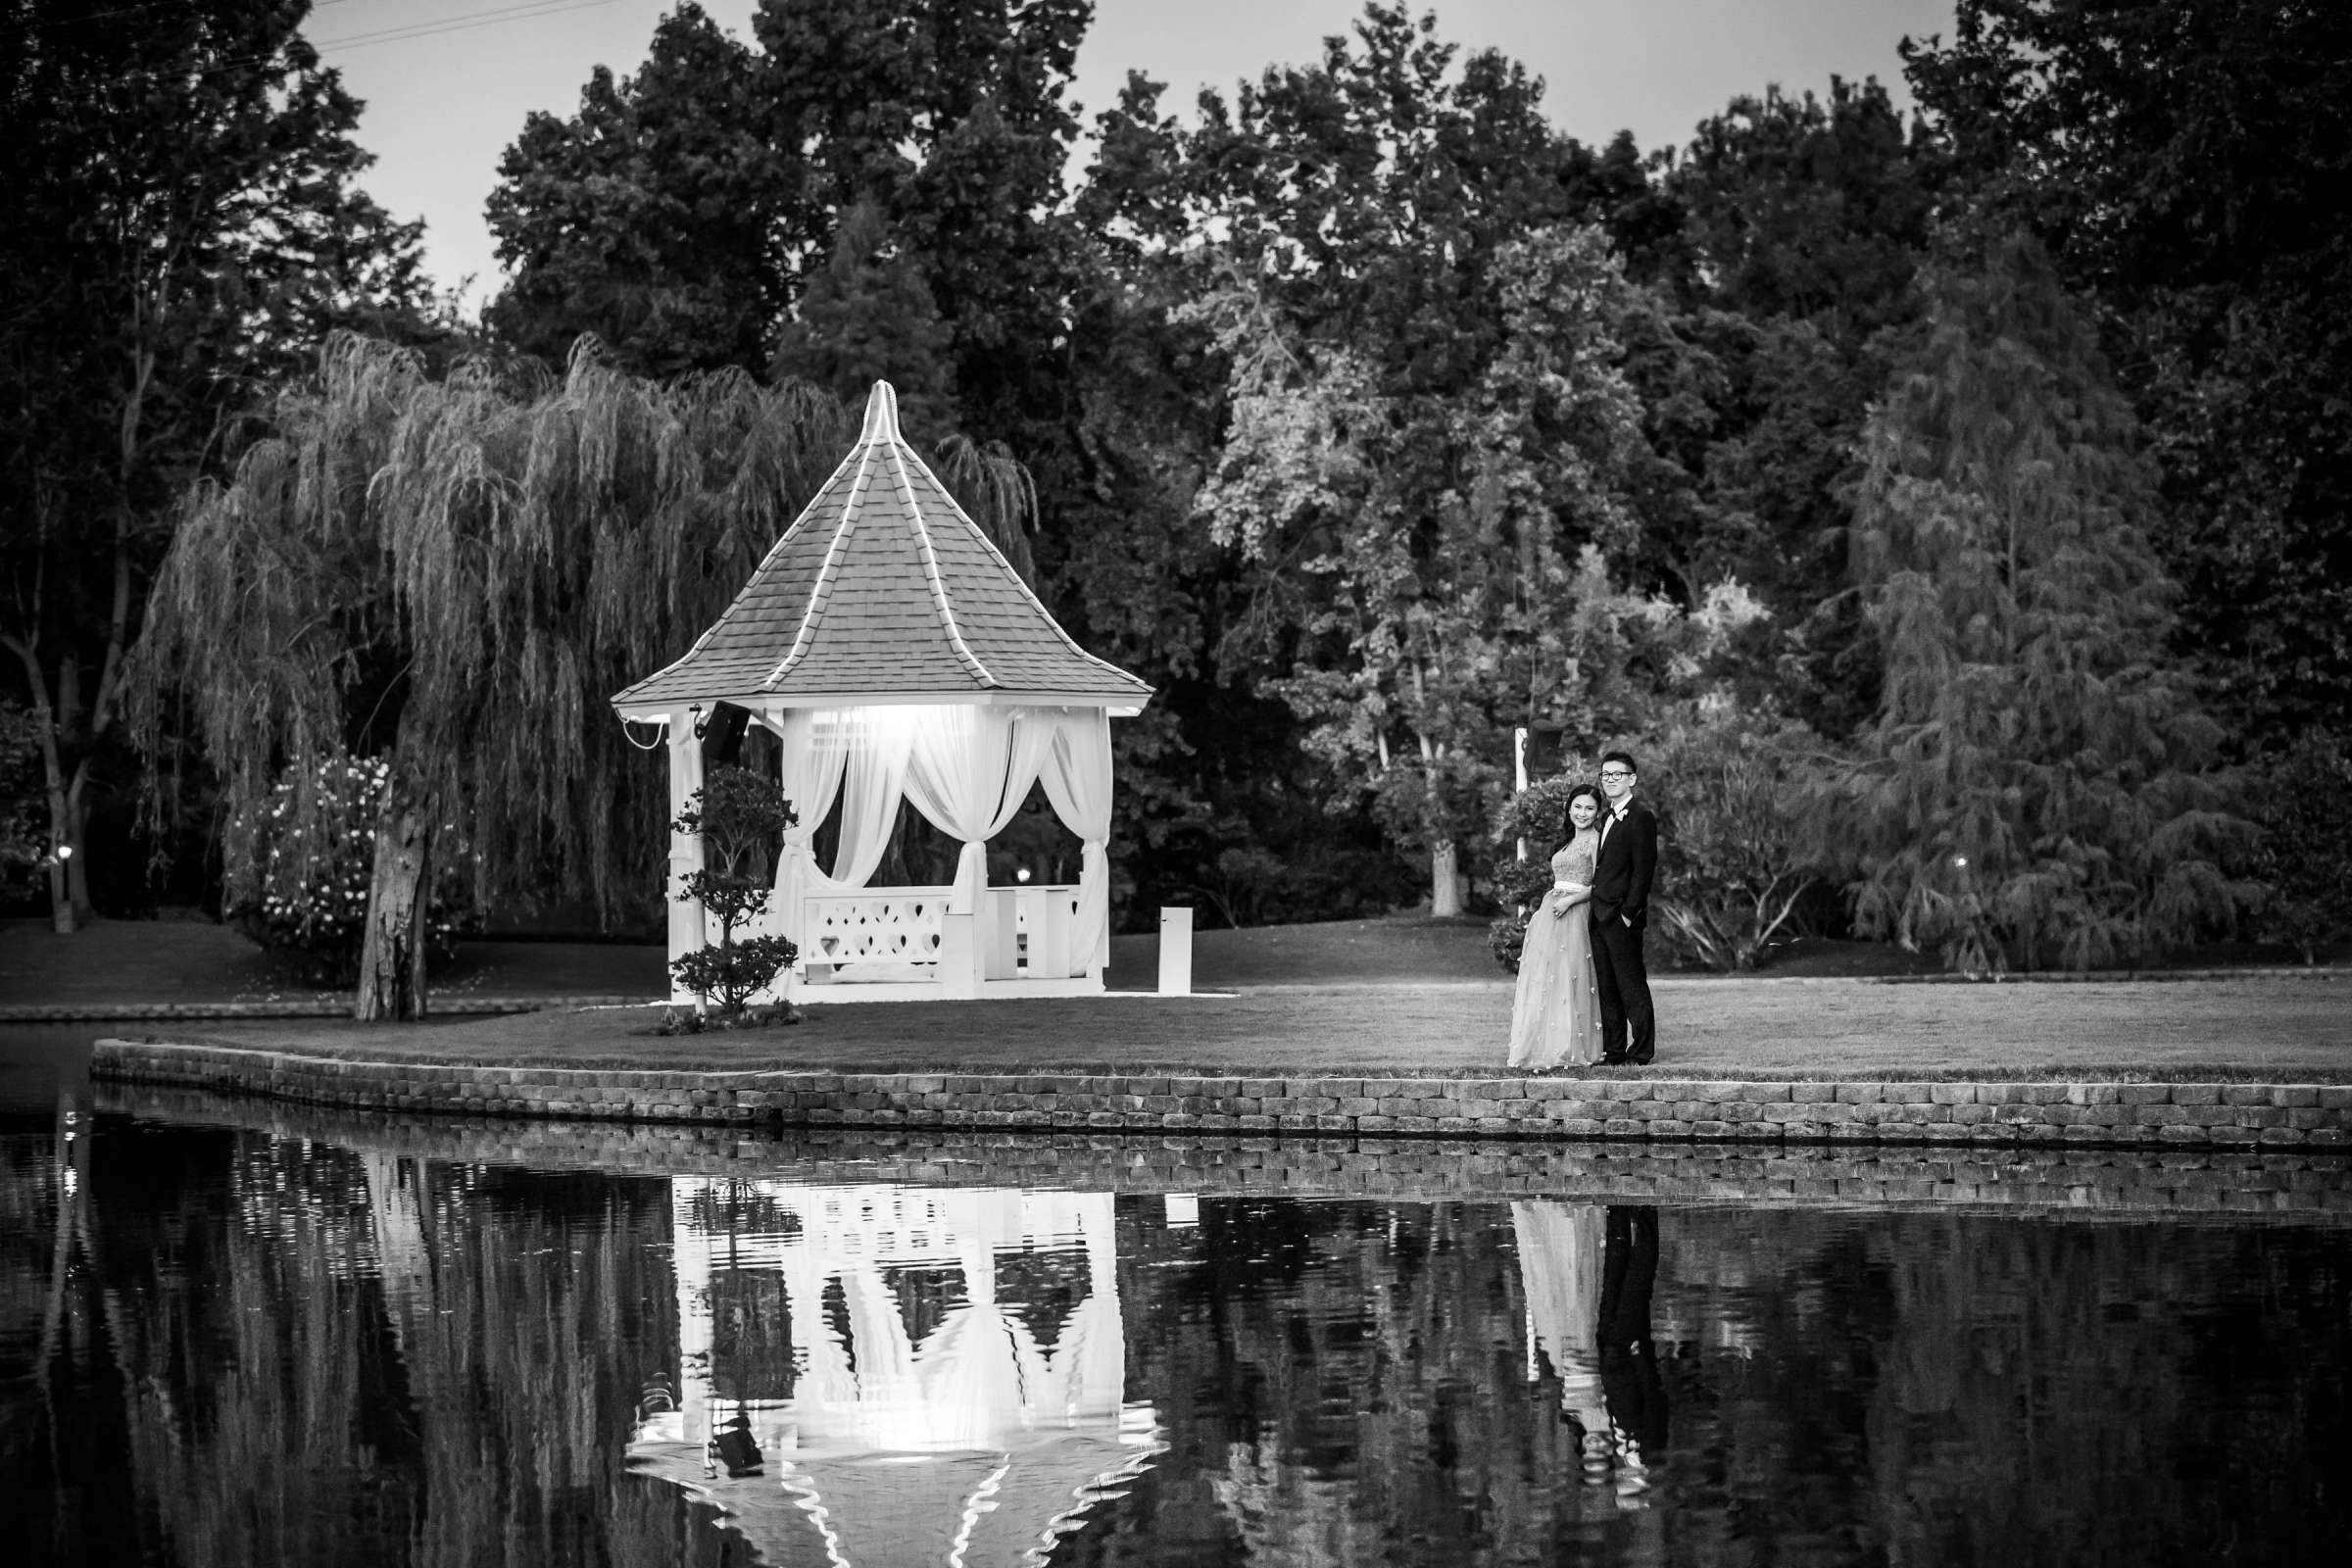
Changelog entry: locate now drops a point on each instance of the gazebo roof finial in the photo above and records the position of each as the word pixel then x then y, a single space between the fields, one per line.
pixel 881 415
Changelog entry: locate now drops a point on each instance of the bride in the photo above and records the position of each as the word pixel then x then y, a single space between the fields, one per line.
pixel 1555 1018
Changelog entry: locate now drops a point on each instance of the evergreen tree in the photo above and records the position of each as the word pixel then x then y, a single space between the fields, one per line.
pixel 2189 164
pixel 869 316
pixel 2036 787
pixel 1804 219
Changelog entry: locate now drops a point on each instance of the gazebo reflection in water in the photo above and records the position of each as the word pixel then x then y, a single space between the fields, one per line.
pixel 932 1376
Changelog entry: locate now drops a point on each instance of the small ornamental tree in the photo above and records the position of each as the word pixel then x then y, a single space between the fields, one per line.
pixel 740 816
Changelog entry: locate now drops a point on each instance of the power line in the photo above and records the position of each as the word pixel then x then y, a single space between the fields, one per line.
pixel 463 22
pixel 396 34
pixel 38 23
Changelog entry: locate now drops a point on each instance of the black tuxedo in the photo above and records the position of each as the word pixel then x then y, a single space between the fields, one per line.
pixel 1629 1359
pixel 1621 877
pixel 1627 865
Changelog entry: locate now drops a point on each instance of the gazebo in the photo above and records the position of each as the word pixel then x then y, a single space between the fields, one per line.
pixel 896 656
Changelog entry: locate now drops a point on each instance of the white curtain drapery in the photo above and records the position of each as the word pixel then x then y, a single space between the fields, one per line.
pixel 967 768
pixel 858 755
pixel 874 780
pixel 968 772
pixel 814 743
pixel 1077 780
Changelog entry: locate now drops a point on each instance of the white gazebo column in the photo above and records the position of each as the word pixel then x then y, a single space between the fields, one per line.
pixel 686 933
pixel 1099 1385
pixel 1094 891
pixel 690 1257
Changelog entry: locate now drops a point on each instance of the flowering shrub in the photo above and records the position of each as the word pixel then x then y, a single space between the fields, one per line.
pixel 1732 867
pixel 1536 817
pixel 300 867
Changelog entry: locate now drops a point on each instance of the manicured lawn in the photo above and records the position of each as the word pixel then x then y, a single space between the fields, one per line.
pixel 188 960
pixel 2277 1027
pixel 196 960
pixel 1384 995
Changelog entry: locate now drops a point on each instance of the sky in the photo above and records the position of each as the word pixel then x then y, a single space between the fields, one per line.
pixel 447 82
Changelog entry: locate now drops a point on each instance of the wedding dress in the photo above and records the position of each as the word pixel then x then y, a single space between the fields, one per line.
pixel 1555 1018
pixel 1560 1268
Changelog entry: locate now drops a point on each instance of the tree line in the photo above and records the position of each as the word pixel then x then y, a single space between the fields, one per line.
pixel 1952 501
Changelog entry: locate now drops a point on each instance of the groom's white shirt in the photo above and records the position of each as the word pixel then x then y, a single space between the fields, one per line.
pixel 1610 816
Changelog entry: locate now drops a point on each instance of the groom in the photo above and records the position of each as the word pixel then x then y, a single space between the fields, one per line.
pixel 1628 860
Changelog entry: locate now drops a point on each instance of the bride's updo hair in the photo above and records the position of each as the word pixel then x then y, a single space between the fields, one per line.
pixel 1567 822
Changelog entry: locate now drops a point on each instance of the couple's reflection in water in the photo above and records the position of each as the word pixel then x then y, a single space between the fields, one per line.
pixel 1590 1272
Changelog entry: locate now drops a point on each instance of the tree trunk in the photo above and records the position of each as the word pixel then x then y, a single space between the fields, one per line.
pixel 65 727
pixel 77 831
pixel 1444 882
pixel 62 847
pixel 392 952
pixel 1444 878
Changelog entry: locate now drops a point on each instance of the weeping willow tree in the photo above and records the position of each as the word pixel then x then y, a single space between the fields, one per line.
pixel 2038 785
pixel 450 574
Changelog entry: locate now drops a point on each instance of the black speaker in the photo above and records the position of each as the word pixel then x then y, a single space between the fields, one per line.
pixel 735 1449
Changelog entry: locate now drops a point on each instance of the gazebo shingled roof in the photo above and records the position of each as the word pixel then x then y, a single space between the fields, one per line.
pixel 883 590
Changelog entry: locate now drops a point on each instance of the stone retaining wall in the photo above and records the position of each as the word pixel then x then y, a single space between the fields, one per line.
pixel 2141 1116
pixel 2219 1184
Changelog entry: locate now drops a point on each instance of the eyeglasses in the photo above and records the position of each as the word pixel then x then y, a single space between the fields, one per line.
pixel 1616 772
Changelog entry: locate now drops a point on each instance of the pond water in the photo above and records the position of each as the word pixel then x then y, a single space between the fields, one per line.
pixel 255 1344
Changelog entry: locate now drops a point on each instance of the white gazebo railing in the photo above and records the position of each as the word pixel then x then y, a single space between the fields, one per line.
pixel 1032 933
pixel 896 935
pixel 898 927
